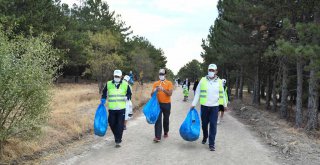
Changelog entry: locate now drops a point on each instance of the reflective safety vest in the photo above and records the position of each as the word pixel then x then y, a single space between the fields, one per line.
pixel 204 91
pixel 117 97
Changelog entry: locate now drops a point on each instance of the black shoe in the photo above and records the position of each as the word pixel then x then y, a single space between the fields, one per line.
pixel 118 145
pixel 212 148
pixel 124 127
pixel 156 140
pixel 204 141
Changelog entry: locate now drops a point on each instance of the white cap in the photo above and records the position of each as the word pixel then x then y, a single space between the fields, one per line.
pixel 213 66
pixel 127 78
pixel 224 81
pixel 117 73
pixel 162 71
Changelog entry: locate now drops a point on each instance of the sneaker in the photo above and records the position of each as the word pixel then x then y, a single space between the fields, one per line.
pixel 212 148
pixel 124 127
pixel 204 141
pixel 165 135
pixel 218 122
pixel 156 140
pixel 118 145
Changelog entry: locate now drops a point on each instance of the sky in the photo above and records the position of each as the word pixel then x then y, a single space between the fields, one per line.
pixel 175 26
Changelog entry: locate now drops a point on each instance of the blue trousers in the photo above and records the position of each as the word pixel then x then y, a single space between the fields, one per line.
pixel 116 123
pixel 209 115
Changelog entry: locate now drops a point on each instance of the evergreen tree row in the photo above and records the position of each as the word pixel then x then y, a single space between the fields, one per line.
pixel 273 49
pixel 93 40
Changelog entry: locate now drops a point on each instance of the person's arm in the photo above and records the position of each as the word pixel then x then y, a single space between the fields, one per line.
pixel 228 95
pixel 104 95
pixel 225 101
pixel 129 94
pixel 169 91
pixel 104 92
pixel 196 97
pixel 153 88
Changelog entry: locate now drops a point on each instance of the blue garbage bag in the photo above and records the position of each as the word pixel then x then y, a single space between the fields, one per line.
pixel 101 121
pixel 190 128
pixel 152 109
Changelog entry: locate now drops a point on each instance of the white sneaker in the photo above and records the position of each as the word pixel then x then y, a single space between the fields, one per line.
pixel 218 122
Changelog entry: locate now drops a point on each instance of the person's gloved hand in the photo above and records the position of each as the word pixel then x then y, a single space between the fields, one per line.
pixel 103 101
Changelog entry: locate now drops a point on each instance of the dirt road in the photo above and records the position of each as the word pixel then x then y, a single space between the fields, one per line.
pixel 235 144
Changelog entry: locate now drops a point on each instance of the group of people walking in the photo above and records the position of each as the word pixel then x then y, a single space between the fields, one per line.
pixel 211 92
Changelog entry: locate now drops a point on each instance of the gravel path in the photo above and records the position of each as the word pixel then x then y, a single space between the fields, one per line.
pixel 235 144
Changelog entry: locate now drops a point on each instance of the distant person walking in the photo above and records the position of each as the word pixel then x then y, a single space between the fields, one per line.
pixel 117 92
pixel 131 78
pixel 129 111
pixel 211 94
pixel 164 88
pixel 185 93
pixel 221 107
pixel 187 83
pixel 176 82
pixel 195 86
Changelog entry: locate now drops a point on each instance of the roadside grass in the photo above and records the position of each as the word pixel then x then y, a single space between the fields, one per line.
pixel 71 118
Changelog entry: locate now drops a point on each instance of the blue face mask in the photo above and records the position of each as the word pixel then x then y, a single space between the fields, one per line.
pixel 117 80
pixel 211 74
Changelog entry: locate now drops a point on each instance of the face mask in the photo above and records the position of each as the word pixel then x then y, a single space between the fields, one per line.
pixel 211 74
pixel 161 78
pixel 116 80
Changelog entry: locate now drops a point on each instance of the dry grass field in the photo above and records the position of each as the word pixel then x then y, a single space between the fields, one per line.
pixel 71 118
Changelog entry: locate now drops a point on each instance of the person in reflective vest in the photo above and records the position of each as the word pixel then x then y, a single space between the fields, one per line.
pixel 211 94
pixel 117 92
pixel 221 107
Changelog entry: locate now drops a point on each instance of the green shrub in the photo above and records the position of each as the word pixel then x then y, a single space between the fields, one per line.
pixel 27 68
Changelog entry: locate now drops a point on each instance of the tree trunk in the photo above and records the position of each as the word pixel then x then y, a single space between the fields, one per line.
pixel 274 94
pixel 241 82
pixel 269 91
pixel 280 96
pixel 249 88
pixel 1 148
pixel 313 101
pixel 237 85
pixel 284 90
pixel 100 84
pixel 299 93
pixel 263 90
pixel 256 88
pixel 228 83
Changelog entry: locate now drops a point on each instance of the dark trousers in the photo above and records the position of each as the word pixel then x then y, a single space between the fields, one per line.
pixel 116 123
pixel 209 115
pixel 165 110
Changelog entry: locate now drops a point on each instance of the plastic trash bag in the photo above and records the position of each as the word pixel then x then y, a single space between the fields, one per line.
pixel 128 110
pixel 100 121
pixel 190 128
pixel 152 109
